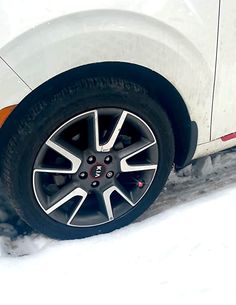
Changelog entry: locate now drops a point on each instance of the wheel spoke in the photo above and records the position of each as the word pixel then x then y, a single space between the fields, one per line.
pixel 64 196
pixel 136 168
pixel 96 131
pixel 133 150
pixel 74 159
pixel 108 146
pixel 107 202
pixel 76 210
pixel 107 199
pixel 52 170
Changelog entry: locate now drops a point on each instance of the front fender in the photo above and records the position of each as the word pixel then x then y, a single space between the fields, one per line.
pixel 110 35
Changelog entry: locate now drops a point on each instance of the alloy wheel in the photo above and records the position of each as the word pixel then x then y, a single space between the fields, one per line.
pixel 95 168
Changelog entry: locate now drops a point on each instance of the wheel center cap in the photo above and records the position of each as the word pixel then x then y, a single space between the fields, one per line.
pixel 98 170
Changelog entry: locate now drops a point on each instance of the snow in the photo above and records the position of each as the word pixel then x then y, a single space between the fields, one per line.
pixel 181 251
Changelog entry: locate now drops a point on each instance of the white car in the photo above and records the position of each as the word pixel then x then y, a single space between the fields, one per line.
pixel 100 99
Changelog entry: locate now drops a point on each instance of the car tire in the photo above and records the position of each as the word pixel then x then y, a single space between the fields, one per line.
pixel 86 159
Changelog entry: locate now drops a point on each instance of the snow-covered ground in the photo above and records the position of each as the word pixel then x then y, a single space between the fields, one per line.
pixel 181 251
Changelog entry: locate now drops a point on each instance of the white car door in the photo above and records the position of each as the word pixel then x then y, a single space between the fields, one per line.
pixel 224 107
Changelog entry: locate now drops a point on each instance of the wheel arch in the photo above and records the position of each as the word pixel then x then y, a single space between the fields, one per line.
pixel 159 88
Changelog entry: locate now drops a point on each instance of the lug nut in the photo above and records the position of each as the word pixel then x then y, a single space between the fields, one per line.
pixel 83 175
pixel 95 184
pixel 110 174
pixel 91 159
pixel 108 159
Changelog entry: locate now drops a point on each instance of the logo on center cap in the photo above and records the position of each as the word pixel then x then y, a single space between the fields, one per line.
pixel 98 170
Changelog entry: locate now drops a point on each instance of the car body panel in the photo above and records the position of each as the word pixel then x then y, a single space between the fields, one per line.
pixel 189 17
pixel 177 39
pixel 224 110
pixel 13 89
pixel 213 147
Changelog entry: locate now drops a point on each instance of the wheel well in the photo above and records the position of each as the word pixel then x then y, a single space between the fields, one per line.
pixel 159 88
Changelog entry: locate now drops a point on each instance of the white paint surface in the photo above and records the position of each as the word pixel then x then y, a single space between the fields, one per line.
pixel 176 38
pixel 213 147
pixel 224 114
pixel 12 89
